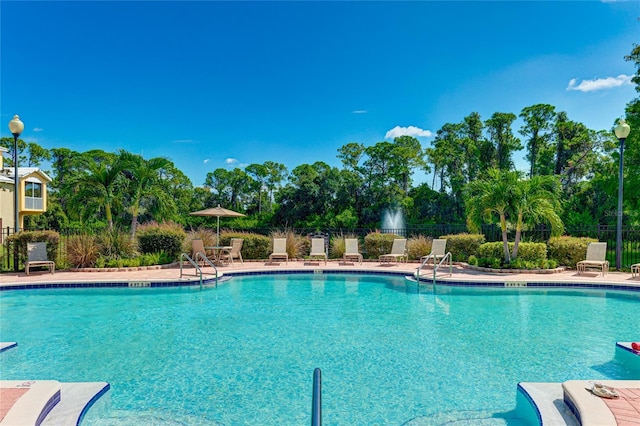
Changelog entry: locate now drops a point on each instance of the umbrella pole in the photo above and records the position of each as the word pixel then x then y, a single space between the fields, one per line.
pixel 218 234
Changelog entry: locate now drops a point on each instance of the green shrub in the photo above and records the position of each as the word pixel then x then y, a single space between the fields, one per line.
pixel 154 238
pixel 52 238
pixel 418 246
pixel 376 244
pixel 254 246
pixel 101 262
pixel 150 259
pixel 83 251
pixel 526 251
pixel 520 263
pixel 568 251
pixel 532 251
pixel 473 260
pixel 463 245
pixel 115 244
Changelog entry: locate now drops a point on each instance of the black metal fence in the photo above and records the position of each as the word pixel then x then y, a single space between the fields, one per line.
pixel 603 233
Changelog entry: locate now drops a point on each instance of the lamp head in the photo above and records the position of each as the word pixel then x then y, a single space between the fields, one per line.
pixel 622 129
pixel 16 126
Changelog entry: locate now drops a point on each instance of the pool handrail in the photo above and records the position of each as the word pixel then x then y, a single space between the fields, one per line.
pixel 435 267
pixel 194 263
pixel 316 400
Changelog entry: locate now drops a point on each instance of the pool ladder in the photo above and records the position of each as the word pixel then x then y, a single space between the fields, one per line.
pixel 194 263
pixel 435 267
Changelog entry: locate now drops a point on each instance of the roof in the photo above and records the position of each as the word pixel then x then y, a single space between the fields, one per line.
pixel 6 174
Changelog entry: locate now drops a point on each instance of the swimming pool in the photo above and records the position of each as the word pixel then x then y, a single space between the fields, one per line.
pixel 244 353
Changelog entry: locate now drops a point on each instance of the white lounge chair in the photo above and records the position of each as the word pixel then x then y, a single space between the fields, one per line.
pixel 351 251
pixel 318 250
pixel 596 258
pixel 398 252
pixel 37 256
pixel 279 250
pixel 438 251
pixel 635 270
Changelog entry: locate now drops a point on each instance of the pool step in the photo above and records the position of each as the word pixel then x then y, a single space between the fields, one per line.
pixel 75 400
pixel 7 345
pixel 547 400
pixel 28 402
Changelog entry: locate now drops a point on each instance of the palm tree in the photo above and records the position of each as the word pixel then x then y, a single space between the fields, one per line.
pixel 96 188
pixel 143 182
pixel 492 196
pixel 536 200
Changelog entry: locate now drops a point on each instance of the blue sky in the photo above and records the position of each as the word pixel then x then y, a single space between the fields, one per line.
pixel 225 84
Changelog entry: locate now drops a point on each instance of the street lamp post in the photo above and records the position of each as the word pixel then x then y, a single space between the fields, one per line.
pixel 16 127
pixel 622 131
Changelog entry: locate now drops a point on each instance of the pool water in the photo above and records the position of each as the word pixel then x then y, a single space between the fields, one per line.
pixel 244 353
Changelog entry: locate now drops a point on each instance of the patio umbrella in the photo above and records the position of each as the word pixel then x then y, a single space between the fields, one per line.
pixel 217 212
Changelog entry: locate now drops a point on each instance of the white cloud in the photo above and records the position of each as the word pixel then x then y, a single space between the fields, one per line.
pixel 183 141
pixel 599 83
pixel 37 129
pixel 206 160
pixel 231 161
pixel 407 131
pixel 360 111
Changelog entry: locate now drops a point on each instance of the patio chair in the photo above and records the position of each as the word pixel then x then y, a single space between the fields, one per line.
pixel 351 251
pixel 279 250
pixel 318 250
pixel 596 258
pixel 635 270
pixel 37 256
pixel 227 255
pixel 438 251
pixel 197 246
pixel 398 252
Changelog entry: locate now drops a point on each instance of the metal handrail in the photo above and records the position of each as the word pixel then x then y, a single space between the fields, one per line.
pixel 316 402
pixel 435 267
pixel 194 263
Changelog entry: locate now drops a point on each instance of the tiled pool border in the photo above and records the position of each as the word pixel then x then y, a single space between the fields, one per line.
pixel 507 284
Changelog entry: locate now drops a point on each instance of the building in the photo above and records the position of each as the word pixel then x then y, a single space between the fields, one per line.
pixel 32 192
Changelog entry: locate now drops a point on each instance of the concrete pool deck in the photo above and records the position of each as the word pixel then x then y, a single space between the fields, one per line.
pixel 459 274
pixel 76 398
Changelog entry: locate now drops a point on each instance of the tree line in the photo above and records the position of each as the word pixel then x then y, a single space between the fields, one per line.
pixel 120 189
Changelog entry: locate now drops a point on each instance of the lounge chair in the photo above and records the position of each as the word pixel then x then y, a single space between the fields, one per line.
pixel 37 256
pixel 351 251
pixel 279 250
pixel 438 251
pixel 635 270
pixel 234 252
pixel 398 252
pixel 596 258
pixel 318 250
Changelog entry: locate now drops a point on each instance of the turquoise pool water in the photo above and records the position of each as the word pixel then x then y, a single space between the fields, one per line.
pixel 244 353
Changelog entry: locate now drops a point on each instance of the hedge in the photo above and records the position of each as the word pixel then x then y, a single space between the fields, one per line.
pixel 52 238
pixel 568 251
pixel 463 245
pixel 526 251
pixel 156 238
pixel 376 244
pixel 254 246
